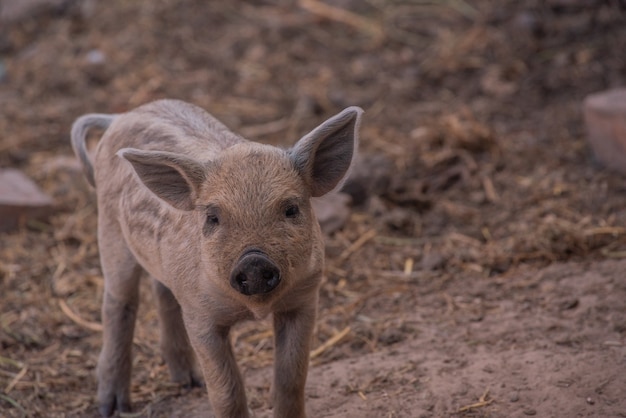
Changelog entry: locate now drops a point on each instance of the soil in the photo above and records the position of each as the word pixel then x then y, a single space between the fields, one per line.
pixel 482 275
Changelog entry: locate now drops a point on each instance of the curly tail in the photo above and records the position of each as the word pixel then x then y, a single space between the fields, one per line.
pixel 79 133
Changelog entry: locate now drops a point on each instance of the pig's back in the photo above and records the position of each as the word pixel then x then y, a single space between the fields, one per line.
pixel 168 125
pixel 164 125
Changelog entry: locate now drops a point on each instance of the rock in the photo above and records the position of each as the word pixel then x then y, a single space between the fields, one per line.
pixel 527 22
pixel 20 200
pixel 96 68
pixel 391 336
pixel 332 211
pixel 433 261
pixel 605 119
pixel 400 219
pixel 371 175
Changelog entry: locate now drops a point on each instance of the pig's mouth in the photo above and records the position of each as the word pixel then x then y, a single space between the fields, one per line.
pixel 255 274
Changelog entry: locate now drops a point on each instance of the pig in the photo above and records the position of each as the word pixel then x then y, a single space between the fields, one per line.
pixel 225 230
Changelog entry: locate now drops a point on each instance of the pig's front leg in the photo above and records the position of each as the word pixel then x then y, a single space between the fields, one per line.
pixel 293 331
pixel 221 375
pixel 177 351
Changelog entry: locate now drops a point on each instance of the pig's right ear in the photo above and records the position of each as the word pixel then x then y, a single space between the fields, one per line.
pixel 174 178
pixel 324 156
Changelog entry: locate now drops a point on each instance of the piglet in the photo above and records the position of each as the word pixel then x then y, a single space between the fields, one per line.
pixel 224 228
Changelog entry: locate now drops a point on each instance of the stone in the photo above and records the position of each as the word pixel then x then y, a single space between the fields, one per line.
pixel 332 211
pixel 370 176
pixel 20 200
pixel 433 261
pixel 605 120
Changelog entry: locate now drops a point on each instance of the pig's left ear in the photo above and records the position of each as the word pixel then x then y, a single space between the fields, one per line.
pixel 324 156
pixel 171 177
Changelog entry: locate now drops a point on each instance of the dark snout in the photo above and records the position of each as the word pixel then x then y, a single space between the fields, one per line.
pixel 255 274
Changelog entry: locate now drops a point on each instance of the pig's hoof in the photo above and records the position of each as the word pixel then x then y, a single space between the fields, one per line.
pixel 197 380
pixel 194 383
pixel 189 380
pixel 107 407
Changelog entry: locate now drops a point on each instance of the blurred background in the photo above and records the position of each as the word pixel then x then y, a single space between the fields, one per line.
pixel 475 216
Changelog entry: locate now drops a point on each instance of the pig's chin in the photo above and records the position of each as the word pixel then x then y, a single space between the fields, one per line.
pixel 261 306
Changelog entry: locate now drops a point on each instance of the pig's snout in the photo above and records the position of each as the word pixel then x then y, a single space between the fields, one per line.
pixel 254 274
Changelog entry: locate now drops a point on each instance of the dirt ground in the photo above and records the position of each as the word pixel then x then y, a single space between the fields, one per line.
pixel 481 276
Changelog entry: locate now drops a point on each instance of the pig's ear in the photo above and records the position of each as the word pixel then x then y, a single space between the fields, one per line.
pixel 172 177
pixel 324 156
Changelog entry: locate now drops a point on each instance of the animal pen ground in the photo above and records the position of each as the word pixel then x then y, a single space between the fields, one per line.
pixel 481 270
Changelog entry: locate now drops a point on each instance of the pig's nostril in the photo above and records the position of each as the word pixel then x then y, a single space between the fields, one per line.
pixel 241 278
pixel 271 277
pixel 242 281
pixel 255 274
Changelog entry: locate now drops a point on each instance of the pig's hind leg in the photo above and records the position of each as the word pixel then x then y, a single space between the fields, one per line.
pixel 119 310
pixel 175 346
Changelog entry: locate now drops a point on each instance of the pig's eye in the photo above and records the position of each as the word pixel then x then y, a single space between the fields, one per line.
pixel 212 219
pixel 292 211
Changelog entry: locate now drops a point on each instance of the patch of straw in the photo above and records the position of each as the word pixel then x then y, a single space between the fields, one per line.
pixel 329 12
pixel 14 403
pixel 482 402
pixel 93 326
pixel 16 379
pixel 330 342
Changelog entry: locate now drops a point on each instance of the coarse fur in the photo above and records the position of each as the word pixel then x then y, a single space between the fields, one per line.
pixel 191 203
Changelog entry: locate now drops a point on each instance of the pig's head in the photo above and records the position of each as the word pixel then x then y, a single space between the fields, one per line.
pixel 256 231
